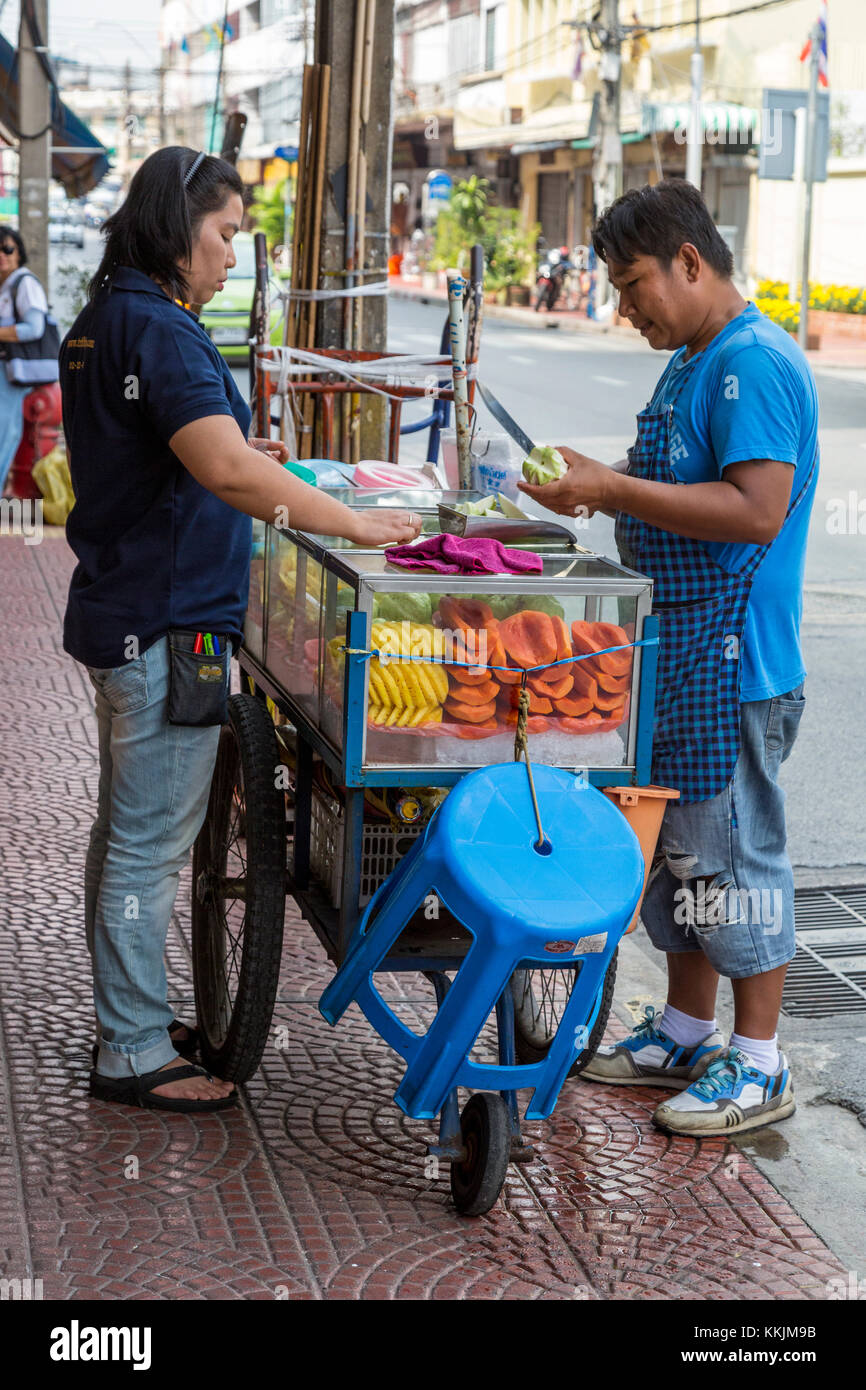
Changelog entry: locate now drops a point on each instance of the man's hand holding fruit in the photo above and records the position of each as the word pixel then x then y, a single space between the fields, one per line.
pixel 569 483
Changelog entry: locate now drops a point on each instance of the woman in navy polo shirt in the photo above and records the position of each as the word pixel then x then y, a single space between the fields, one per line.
pixel 165 482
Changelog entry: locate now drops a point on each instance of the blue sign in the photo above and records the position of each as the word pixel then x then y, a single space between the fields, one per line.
pixel 439 187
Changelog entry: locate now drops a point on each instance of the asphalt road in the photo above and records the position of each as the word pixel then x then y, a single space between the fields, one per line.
pixel 584 391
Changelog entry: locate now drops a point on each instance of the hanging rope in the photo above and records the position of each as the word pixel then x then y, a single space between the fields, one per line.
pixel 521 750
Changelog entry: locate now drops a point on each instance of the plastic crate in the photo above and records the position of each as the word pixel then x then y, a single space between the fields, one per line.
pixel 383 848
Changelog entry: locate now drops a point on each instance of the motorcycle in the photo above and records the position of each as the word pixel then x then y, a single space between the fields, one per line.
pixel 551 277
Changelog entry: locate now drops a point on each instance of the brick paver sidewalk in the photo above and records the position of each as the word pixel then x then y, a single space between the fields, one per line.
pixel 315 1187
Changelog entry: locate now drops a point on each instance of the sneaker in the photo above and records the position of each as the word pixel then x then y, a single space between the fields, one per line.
pixel 731 1096
pixel 651 1058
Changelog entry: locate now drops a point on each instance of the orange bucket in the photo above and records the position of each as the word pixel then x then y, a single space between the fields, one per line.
pixel 644 809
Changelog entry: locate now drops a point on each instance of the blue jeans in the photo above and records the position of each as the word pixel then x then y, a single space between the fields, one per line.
pixel 724 884
pixel 11 422
pixel 154 781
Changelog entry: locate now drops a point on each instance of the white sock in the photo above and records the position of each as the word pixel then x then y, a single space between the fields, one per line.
pixel 683 1028
pixel 764 1052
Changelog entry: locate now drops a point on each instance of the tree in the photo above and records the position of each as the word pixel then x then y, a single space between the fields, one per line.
pixel 267 212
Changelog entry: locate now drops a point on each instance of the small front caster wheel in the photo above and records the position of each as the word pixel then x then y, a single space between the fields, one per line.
pixel 485 1126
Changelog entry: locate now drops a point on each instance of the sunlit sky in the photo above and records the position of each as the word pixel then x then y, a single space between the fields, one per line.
pixel 97 31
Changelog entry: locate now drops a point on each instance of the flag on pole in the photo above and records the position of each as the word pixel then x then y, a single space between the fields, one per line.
pixel 823 74
pixel 578 57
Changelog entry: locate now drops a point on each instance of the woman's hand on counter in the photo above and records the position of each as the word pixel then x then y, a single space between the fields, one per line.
pixel 383 526
pixel 582 491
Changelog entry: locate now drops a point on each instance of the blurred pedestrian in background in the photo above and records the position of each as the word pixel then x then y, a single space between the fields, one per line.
pixel 23 309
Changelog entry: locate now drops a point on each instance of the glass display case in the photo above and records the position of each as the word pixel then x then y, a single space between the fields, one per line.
pixel 472 638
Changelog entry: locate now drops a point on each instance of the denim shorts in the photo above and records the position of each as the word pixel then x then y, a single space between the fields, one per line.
pixel 722 882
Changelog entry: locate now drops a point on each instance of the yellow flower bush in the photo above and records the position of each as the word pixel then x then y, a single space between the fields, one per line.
pixel 781 311
pixel 842 299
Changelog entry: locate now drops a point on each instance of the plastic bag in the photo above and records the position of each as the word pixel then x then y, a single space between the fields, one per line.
pixel 495 463
pixel 51 475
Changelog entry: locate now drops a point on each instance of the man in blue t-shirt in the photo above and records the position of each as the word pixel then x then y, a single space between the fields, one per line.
pixel 713 503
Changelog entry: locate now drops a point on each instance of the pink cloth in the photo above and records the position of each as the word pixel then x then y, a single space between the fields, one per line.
pixel 447 554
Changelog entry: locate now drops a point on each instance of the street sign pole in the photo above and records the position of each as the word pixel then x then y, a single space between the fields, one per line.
pixel 811 113
pixel 694 147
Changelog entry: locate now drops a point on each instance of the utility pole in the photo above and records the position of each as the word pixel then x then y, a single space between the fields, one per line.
pixel 335 45
pixel 128 122
pixel 34 124
pixel 694 147
pixel 808 181
pixel 607 156
pixel 161 110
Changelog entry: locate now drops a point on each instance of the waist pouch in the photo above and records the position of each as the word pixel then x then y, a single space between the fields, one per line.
pixel 198 683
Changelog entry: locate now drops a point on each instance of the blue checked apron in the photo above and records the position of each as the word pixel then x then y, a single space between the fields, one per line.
pixel 702 617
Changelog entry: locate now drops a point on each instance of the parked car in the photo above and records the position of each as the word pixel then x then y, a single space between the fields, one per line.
pixel 67 228
pixel 227 316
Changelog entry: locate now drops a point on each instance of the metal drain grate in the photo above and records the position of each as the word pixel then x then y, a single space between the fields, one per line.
pixel 828 974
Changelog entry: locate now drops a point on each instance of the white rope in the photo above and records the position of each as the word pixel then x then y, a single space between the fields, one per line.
pixel 410 367
pixel 356 292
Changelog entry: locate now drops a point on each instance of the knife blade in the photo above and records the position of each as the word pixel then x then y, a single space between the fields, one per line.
pixel 499 413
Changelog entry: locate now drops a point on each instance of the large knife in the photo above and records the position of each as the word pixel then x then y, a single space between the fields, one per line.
pixel 511 427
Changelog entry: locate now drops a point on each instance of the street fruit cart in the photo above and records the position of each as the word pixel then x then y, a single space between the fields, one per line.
pixel 376 690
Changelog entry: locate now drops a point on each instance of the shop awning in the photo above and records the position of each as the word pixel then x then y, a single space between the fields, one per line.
pixel 728 121
pixel 538 148
pixel 77 172
pixel 628 137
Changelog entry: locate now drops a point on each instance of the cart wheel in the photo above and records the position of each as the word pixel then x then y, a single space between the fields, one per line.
pixel 486 1129
pixel 238 899
pixel 540 997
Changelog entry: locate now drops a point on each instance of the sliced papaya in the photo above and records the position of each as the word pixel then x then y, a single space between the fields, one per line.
pixel 470 714
pixel 535 724
pixel 606 701
pixel 468 675
pixel 594 637
pixel 584 683
pixel 617 713
pixel 617 685
pixel 612 684
pixel 529 638
pixel 490 726
pixel 574 706
pixel 473 694
pixel 475 612
pixel 508 677
pixel 563 650
pixel 538 704
pixel 553 689
pixel 580 726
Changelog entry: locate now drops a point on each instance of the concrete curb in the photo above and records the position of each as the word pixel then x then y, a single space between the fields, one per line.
pixel 835 356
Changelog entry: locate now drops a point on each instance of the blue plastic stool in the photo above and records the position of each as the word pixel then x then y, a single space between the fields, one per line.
pixel 523 907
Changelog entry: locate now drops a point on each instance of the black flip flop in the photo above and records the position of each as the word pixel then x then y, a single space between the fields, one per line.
pixel 188 1048
pixel 138 1090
